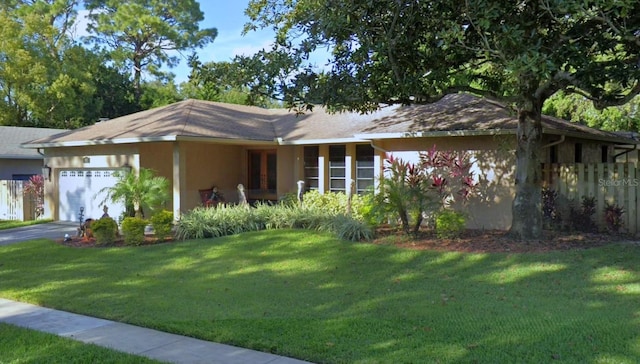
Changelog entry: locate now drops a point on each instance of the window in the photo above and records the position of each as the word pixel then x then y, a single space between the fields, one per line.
pixel 578 152
pixel 605 153
pixel 337 168
pixel 311 171
pixel 553 154
pixel 364 167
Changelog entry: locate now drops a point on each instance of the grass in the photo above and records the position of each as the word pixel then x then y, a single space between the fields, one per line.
pixel 313 297
pixel 10 224
pixel 20 345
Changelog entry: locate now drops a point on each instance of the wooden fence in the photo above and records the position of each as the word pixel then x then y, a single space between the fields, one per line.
pixel 14 203
pixel 608 183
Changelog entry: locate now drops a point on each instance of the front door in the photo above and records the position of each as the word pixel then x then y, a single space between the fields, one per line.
pixel 262 175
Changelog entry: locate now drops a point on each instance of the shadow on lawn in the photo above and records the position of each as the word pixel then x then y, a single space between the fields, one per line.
pixel 315 298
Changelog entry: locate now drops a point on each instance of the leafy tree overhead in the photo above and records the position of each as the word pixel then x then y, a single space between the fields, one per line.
pixel 518 52
pixel 578 109
pixel 222 82
pixel 141 33
pixel 46 79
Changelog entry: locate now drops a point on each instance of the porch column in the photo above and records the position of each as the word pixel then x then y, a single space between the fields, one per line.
pixel 323 172
pixel 378 159
pixel 178 179
pixel 350 167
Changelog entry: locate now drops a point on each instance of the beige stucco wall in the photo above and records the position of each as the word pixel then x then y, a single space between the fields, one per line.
pixel 494 165
pixel 208 165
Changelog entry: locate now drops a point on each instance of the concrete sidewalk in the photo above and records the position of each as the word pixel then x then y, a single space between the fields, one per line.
pixel 131 339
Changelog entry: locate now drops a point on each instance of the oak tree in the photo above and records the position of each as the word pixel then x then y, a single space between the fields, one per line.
pixel 409 51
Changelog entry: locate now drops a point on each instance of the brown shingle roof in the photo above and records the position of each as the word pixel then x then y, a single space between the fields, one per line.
pixel 462 113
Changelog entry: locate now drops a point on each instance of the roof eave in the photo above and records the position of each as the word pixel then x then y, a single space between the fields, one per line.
pixel 433 134
pixel 355 139
pixel 82 143
pixel 228 141
pixel 574 134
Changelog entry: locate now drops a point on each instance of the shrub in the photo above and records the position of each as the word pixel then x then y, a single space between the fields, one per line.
pixel 133 230
pixel 581 219
pixel 450 224
pixel 409 192
pixel 550 210
pixel 347 228
pixel 162 223
pixel 209 223
pixel 105 230
pixel 613 217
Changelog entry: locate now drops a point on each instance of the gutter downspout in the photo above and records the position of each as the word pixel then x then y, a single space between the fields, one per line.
pixel 627 151
pixel 380 149
pixel 559 141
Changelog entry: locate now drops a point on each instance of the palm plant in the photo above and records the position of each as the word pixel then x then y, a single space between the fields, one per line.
pixel 139 192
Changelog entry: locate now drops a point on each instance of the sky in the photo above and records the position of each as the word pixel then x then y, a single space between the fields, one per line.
pixel 228 17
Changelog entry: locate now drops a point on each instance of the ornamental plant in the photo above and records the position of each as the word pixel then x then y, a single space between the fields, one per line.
pixel 133 230
pixel 35 188
pixel 105 230
pixel 411 191
pixel 162 223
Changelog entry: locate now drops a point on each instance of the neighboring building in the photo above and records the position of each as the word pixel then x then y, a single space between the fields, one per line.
pixel 199 144
pixel 17 163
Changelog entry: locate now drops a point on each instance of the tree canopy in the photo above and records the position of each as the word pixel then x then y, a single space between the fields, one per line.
pixel 518 52
pixel 141 33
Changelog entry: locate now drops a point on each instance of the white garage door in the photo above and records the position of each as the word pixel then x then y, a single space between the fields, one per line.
pixel 83 188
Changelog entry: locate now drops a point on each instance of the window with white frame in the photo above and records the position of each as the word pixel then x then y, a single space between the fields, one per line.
pixel 337 168
pixel 365 173
pixel 311 170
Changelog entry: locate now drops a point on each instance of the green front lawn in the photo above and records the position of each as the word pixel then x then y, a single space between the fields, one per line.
pixel 311 296
pixel 10 224
pixel 20 345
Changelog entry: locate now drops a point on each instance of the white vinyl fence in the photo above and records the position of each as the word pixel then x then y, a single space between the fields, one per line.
pixel 14 203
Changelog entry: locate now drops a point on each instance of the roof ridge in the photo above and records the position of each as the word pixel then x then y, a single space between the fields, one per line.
pixel 189 105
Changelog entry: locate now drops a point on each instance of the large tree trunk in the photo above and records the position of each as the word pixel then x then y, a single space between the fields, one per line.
pixel 527 205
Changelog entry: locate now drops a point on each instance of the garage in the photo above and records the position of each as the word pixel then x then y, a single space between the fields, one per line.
pixel 84 188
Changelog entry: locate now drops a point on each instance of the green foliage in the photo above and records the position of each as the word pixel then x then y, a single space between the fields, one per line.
pixel 105 230
pixel 411 191
pixel 581 218
pixel 581 110
pixel 139 34
pixel 613 217
pixel 229 220
pixel 351 229
pixel 133 230
pixel 46 78
pixel 520 53
pixel 551 209
pixel 20 345
pixel 301 291
pixel 450 224
pixel 139 192
pixel 162 222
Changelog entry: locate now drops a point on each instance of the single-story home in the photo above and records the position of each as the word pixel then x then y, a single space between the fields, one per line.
pixel 200 144
pixel 17 163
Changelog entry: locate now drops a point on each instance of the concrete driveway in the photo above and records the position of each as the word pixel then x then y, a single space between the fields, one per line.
pixel 52 230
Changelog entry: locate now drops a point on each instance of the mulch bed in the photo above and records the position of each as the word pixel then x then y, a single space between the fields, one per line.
pixel 81 242
pixel 494 241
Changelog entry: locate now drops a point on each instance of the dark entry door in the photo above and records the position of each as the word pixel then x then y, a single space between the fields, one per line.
pixel 262 175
